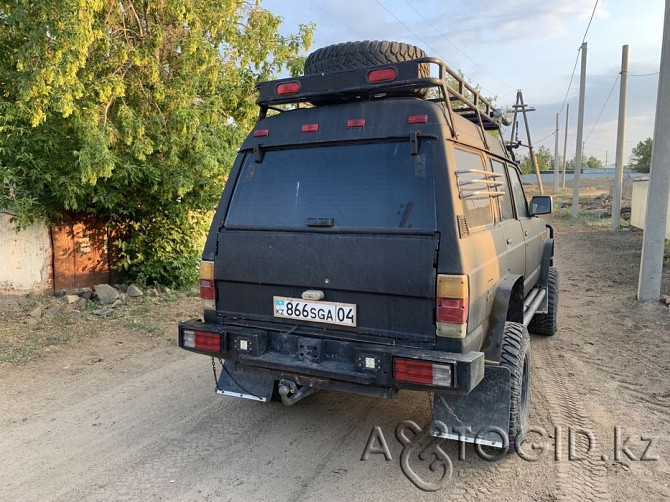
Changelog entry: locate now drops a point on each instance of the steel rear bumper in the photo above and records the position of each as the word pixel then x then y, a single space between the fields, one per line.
pixel 364 368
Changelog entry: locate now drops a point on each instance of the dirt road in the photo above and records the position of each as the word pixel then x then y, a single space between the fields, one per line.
pixel 132 417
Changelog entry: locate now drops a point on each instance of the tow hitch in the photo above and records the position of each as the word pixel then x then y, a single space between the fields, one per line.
pixel 291 394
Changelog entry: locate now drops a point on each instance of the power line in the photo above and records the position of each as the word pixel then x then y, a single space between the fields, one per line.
pixel 574 69
pixel 407 27
pixel 455 47
pixel 337 19
pixel 644 74
pixel 589 25
pixel 419 38
pixel 602 109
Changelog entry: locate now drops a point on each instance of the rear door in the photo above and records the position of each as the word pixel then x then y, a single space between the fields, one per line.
pixel 533 232
pixel 515 243
pixel 353 221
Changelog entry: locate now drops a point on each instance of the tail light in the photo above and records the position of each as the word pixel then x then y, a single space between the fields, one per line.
pixel 417 119
pixel 382 75
pixel 201 340
pixel 422 372
pixel 355 123
pixel 287 88
pixel 451 305
pixel 310 127
pixel 207 285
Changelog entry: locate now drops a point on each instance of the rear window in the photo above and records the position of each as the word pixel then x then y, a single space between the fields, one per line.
pixel 373 185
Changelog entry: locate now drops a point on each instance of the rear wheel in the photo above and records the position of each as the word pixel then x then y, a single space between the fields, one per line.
pixel 547 324
pixel 516 357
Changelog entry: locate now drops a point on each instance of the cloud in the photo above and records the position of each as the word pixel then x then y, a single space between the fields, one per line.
pixel 491 21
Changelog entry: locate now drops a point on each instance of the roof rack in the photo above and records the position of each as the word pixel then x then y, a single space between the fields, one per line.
pixel 400 77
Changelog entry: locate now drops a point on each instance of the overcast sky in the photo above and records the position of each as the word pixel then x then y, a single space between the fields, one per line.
pixel 507 45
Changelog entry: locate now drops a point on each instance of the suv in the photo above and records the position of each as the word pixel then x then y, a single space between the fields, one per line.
pixel 374 236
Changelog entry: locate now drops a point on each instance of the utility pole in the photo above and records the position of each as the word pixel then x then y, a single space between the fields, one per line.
pixel 620 136
pixel 565 143
pixel 530 143
pixel 580 134
pixel 520 105
pixel 651 264
pixel 556 173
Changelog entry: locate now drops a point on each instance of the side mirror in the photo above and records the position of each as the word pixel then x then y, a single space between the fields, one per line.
pixel 541 204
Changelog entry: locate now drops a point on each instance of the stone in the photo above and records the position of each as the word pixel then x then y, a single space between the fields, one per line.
pixel 79 292
pixel 117 303
pixel 167 290
pixel 60 294
pixel 154 292
pixel 36 313
pixel 70 299
pixel 103 312
pixel 123 297
pixel 123 288
pixel 106 293
pixel 52 311
pixel 133 291
pixel 86 295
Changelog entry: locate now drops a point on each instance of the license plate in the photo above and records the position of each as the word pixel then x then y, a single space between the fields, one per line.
pixel 343 314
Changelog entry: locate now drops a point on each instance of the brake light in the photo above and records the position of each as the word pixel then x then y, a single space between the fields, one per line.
pixel 287 88
pixel 355 123
pixel 310 127
pixel 207 285
pixel 417 119
pixel 382 75
pixel 201 340
pixel 422 372
pixel 451 305
pixel 260 133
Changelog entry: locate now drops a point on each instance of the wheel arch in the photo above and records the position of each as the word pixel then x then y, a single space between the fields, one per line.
pixel 507 306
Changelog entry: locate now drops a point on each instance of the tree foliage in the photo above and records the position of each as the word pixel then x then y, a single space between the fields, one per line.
pixel 640 160
pixel 132 111
pixel 545 161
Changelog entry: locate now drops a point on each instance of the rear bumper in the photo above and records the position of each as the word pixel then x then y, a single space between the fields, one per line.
pixel 365 368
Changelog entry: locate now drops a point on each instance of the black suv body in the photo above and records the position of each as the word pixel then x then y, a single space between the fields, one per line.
pixel 377 241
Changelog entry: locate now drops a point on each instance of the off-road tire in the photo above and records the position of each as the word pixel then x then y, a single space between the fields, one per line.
pixel 516 356
pixel 349 55
pixel 547 324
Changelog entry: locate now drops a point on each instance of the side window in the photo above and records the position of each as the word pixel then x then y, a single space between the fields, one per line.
pixel 505 199
pixel 517 191
pixel 473 188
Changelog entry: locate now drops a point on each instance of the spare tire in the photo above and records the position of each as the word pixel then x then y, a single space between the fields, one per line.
pixel 349 55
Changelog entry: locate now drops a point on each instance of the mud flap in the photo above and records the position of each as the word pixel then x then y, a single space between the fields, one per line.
pixel 482 416
pixel 244 385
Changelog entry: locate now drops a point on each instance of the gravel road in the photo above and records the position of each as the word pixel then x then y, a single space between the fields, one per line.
pixel 127 418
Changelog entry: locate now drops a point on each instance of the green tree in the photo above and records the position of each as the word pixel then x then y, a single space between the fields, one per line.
pixel 133 111
pixel 640 160
pixel 592 163
pixel 545 161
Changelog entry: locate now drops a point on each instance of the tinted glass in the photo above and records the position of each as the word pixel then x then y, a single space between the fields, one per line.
pixel 505 200
pixel 519 197
pixel 477 208
pixel 374 185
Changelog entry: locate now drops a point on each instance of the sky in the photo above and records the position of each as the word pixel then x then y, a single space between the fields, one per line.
pixel 527 45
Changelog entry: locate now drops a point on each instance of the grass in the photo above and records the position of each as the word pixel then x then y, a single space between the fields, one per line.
pixel 23 339
pixel 585 218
